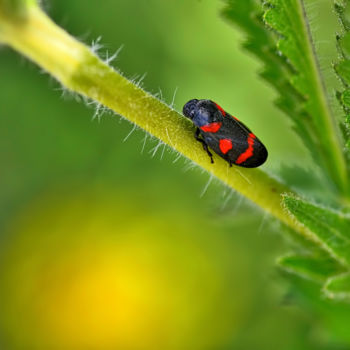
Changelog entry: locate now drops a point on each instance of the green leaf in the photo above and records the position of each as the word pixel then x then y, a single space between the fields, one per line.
pixel 345 98
pixel 318 266
pixel 248 15
pixel 342 68
pixel 343 11
pixel 344 44
pixel 288 18
pixel 291 66
pixel 330 228
pixel 338 287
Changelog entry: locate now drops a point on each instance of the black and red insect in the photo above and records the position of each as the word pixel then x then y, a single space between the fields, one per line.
pixel 224 134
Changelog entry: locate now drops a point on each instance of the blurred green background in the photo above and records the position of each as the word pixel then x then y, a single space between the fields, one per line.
pixel 105 246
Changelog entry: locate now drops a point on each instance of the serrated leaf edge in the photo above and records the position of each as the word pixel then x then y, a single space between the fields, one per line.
pixel 293 271
pixel 343 296
pixel 309 234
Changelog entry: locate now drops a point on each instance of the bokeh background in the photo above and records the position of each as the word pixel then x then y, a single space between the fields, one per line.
pixel 106 244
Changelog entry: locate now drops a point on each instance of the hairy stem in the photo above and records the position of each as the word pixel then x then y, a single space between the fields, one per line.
pixel 80 70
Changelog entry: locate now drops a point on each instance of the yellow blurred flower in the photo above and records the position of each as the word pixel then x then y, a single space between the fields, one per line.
pixel 93 272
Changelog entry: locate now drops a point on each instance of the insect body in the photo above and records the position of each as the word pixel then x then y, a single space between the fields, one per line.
pixel 224 134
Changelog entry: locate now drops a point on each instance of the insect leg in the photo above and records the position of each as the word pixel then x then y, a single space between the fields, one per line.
pixel 205 146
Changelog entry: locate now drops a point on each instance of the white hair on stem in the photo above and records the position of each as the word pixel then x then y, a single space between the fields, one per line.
pixel 131 131
pixel 205 189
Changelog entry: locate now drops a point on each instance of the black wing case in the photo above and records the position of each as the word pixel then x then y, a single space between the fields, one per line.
pixel 236 143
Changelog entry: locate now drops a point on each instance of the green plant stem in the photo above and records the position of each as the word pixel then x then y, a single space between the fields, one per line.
pixel 80 70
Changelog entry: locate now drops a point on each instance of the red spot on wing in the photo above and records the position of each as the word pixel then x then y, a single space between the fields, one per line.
pixel 212 127
pixel 225 145
pixel 220 109
pixel 249 151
